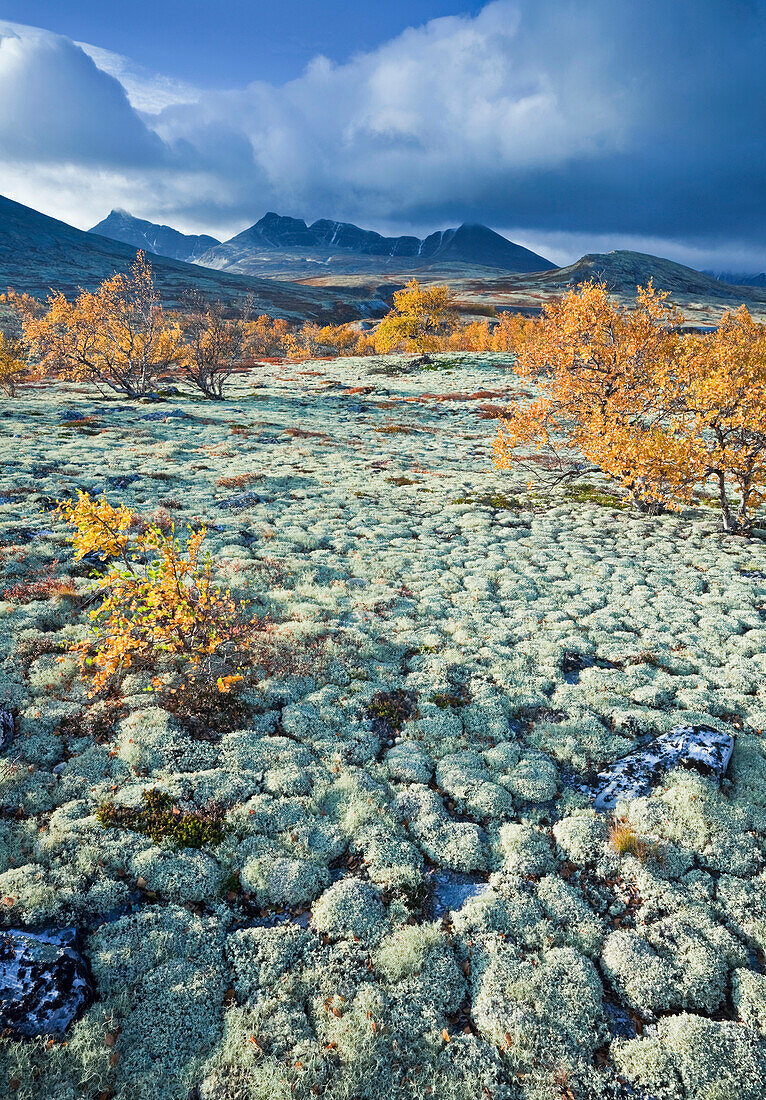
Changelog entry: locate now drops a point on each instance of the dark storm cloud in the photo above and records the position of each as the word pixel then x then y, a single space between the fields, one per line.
pixel 641 119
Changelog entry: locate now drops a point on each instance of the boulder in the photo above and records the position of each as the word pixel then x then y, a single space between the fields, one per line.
pixel 6 728
pixel 45 982
pixel 705 749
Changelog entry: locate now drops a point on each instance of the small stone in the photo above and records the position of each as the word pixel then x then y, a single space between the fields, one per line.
pixel 6 728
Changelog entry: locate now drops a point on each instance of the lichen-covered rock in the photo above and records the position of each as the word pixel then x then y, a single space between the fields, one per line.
pixel 526 850
pixel 681 961
pixel 548 1008
pixel 408 761
pixel 277 879
pixel 581 838
pixel 702 748
pixel 748 995
pixel 45 982
pixel 534 779
pixel 694 1058
pixel 179 876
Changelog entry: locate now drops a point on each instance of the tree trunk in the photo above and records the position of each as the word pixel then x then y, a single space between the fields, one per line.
pixel 728 524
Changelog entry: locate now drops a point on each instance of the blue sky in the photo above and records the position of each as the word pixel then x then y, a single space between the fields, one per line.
pixel 571 126
pixel 229 43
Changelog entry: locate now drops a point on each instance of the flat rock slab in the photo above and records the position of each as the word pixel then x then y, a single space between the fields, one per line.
pixel 45 982
pixel 450 890
pixel 700 747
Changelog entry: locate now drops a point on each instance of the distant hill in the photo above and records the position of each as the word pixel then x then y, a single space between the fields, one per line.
pixel 38 253
pixel 738 278
pixel 119 225
pixel 623 271
pixel 277 243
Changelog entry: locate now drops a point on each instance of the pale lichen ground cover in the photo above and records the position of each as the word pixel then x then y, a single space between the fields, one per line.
pixel 573 967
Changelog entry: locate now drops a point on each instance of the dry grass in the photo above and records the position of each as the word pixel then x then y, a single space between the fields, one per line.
pixel 240 481
pixel 627 842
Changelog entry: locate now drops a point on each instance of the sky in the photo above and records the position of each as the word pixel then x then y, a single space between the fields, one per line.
pixel 568 126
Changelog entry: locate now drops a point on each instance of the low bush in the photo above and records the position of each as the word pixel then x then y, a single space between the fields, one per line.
pixel 162 609
pixel 161 819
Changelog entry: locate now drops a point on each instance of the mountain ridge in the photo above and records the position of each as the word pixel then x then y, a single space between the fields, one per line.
pixel 39 253
pixel 325 240
pixel 623 270
pixel 162 240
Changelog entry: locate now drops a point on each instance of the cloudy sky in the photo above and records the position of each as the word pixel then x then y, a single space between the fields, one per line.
pixel 568 126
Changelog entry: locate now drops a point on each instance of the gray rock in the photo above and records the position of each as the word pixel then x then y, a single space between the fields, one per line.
pixel 175 413
pixel 6 728
pixel 450 890
pixel 700 747
pixel 242 500
pixel 45 982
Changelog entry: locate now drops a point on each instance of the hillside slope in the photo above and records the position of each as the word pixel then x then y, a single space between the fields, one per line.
pixel 39 253
pixel 623 270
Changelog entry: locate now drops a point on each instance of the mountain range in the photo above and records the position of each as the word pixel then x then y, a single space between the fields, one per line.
pixel 119 225
pixel 739 278
pixel 39 254
pixel 283 246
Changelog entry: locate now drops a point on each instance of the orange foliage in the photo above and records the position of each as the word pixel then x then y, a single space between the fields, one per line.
pixel 13 365
pixel 117 337
pixel 211 347
pixel 420 319
pixel 600 370
pixel 657 410
pixel 721 388
pixel 162 609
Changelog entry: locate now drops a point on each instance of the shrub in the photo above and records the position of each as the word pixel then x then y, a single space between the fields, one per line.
pixel 420 317
pixel 161 603
pixel 211 346
pixel 600 370
pixel 626 841
pixel 13 365
pixel 161 819
pixel 117 337
pixel 657 411
pixel 393 707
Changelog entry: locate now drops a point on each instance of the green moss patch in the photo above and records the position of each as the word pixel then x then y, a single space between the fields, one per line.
pixel 161 819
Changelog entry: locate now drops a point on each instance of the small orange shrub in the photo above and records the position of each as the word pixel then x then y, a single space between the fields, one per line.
pixel 627 842
pixel 162 606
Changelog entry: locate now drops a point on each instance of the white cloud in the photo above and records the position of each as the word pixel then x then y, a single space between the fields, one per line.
pixel 571 121
pixel 148 92
pixel 56 106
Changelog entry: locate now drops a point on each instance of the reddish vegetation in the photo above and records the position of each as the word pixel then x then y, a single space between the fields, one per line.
pixel 239 481
pixel 28 591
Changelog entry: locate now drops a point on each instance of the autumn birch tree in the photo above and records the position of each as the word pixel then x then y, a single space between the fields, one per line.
pixel 420 319
pixel 117 337
pixel 721 396
pixel 601 372
pixel 212 346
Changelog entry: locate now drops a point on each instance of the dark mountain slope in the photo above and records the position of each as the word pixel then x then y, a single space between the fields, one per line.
pixel 277 242
pixel 119 225
pixel 38 253
pixel 623 271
